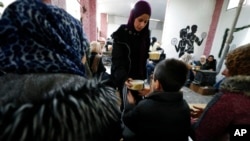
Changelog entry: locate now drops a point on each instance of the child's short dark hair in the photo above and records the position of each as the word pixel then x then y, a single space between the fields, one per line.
pixel 172 74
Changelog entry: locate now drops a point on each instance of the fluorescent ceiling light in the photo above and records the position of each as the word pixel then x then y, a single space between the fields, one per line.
pixel 157 20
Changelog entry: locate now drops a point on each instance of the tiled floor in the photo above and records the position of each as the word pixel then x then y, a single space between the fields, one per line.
pixel 194 98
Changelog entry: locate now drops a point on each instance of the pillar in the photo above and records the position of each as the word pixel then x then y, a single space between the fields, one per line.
pixel 88 18
pixel 103 25
pixel 213 27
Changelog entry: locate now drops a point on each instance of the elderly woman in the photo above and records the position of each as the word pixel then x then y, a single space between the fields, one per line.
pixel 44 92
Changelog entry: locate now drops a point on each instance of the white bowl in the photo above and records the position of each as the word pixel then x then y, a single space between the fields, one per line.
pixel 137 85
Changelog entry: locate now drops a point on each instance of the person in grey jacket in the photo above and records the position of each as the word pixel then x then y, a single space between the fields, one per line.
pixel 163 114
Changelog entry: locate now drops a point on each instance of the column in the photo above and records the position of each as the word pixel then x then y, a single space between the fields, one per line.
pixel 88 18
pixel 213 27
pixel 103 25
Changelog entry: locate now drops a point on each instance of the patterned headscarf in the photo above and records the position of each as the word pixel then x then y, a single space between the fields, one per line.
pixel 40 38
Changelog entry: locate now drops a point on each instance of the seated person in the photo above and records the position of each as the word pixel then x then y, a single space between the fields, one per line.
pixel 202 63
pixel 211 63
pixel 108 45
pixel 205 78
pixel 154 44
pixel 151 63
pixel 163 114
pixel 187 58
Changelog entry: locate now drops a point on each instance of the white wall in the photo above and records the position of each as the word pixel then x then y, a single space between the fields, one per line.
pixel 179 14
pixel 6 4
pixel 73 8
pixel 226 20
pixel 115 21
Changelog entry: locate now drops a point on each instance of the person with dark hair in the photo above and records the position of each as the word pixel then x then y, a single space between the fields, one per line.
pixel 131 43
pixel 163 114
pixel 229 109
pixel 154 44
pixel 45 94
pixel 211 63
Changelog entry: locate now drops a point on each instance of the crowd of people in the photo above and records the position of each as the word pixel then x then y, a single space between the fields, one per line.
pixel 54 85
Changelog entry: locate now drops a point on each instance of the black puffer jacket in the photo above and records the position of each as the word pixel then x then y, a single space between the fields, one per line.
pixel 61 107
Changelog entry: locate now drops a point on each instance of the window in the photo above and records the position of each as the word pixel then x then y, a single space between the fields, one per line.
pixel 234 3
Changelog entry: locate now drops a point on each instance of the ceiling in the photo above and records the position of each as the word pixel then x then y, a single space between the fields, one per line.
pixel 122 7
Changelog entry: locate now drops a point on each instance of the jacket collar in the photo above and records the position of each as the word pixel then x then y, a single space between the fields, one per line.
pixel 166 96
pixel 237 84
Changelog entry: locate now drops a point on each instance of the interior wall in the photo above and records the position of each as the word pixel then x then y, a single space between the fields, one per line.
pixel 5 3
pixel 115 21
pixel 241 37
pixel 180 14
pixel 73 7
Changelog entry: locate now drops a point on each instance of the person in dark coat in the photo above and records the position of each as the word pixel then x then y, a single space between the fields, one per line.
pixel 229 108
pixel 211 63
pixel 163 114
pixel 131 44
pixel 44 91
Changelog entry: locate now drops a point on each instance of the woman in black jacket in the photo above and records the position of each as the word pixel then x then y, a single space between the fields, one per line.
pixel 131 44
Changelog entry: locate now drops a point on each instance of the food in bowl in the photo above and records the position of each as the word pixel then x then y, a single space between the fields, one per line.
pixel 137 84
pixel 154 55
